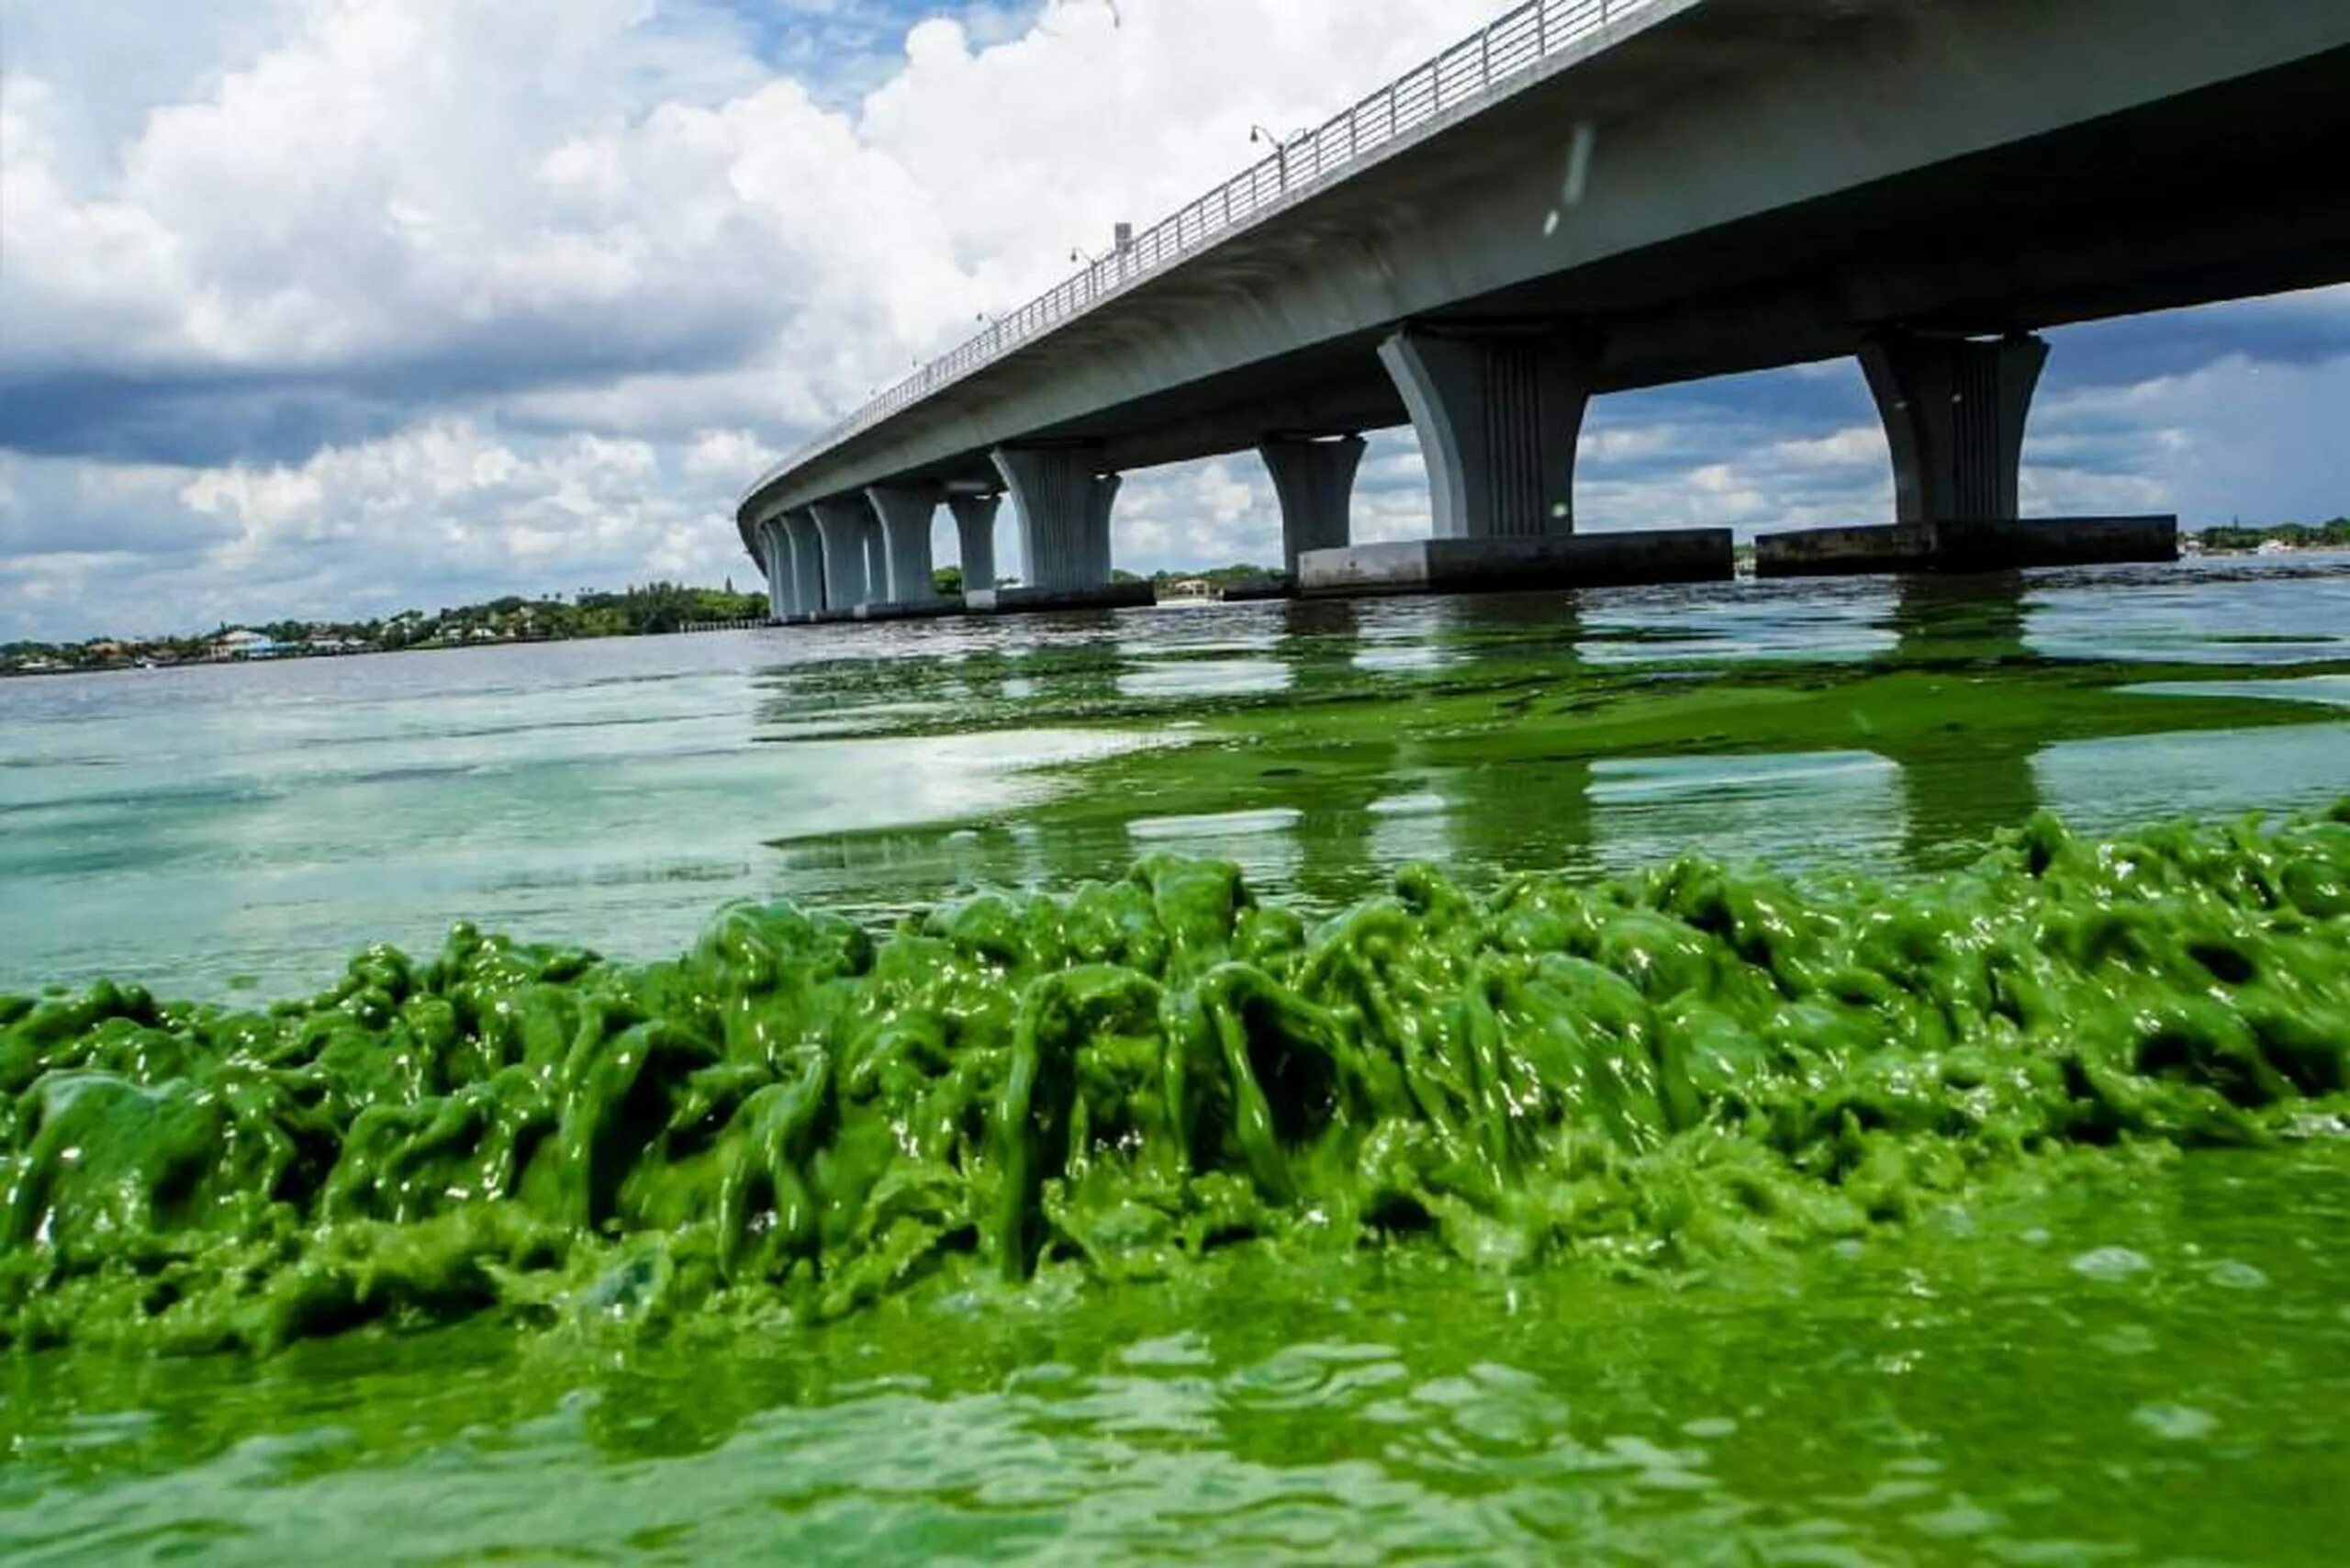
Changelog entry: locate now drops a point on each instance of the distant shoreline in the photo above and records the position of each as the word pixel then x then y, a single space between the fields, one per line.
pixel 654 610
pixel 666 610
pixel 294 655
pixel 2272 547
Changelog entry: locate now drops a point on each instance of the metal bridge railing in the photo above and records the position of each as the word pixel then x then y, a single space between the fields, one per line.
pixel 1480 67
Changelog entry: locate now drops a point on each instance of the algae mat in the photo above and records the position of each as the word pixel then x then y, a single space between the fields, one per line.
pixel 1141 1126
pixel 796 1120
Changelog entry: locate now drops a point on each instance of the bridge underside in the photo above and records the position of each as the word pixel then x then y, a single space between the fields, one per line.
pixel 2230 193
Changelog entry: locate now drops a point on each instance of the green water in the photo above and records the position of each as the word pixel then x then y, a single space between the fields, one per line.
pixel 2064 1356
pixel 2153 1371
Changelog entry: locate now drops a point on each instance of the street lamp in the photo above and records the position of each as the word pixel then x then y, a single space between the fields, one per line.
pixel 1280 146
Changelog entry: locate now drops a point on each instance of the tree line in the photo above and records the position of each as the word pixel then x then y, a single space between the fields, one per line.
pixel 649 609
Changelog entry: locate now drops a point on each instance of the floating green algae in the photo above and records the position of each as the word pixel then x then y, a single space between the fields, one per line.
pixel 800 1118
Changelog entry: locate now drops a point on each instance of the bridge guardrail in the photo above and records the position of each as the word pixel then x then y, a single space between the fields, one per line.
pixel 1469 71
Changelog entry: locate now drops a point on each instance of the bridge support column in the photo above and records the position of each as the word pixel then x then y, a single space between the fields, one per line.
pixel 774 558
pixel 1954 411
pixel 877 559
pixel 843 526
pixel 763 547
pixel 1498 414
pixel 785 577
pixel 1498 411
pixel 1315 483
pixel 974 531
pixel 807 548
pixel 906 512
pixel 1064 515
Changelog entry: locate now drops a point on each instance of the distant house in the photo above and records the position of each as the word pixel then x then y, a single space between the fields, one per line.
pixel 243 644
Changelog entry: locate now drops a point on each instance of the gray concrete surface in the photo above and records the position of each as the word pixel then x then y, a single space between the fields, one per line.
pixel 840 525
pixel 929 609
pixel 1036 601
pixel 1064 500
pixel 905 513
pixel 1314 482
pixel 975 536
pixel 1965 546
pixel 1491 565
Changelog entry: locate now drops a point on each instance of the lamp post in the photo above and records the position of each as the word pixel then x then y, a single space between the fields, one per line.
pixel 1257 133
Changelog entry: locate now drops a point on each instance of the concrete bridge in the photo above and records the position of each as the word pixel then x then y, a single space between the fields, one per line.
pixel 1592 196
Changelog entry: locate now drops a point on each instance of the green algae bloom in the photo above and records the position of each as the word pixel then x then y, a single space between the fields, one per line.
pixel 799 1118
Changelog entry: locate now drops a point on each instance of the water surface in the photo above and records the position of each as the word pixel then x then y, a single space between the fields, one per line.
pixel 196 826
pixel 2149 1366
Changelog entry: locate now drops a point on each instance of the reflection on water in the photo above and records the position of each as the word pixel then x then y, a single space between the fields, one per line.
pixel 1328 822
pixel 1959 788
pixel 192 826
pixel 1767 808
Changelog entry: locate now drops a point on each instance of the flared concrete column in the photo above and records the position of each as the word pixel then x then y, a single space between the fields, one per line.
pixel 975 533
pixel 807 563
pixel 906 512
pixel 1954 411
pixel 775 556
pixel 763 552
pixel 877 559
pixel 1099 503
pixel 771 567
pixel 1498 414
pixel 1064 515
pixel 843 526
pixel 795 578
pixel 1315 483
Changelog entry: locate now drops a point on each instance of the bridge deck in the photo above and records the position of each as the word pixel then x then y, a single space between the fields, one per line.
pixel 1767 181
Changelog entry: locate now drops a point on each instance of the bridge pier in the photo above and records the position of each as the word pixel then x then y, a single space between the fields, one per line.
pixel 791 584
pixel 1064 509
pixel 775 560
pixel 1954 410
pixel 906 512
pixel 1498 411
pixel 842 526
pixel 807 551
pixel 763 552
pixel 877 558
pixel 1498 414
pixel 975 531
pixel 1315 483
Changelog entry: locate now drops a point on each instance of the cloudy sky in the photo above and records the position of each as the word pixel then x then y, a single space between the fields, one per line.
pixel 338 307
